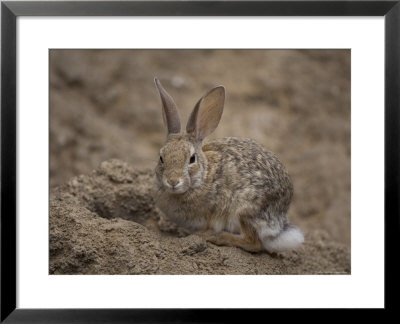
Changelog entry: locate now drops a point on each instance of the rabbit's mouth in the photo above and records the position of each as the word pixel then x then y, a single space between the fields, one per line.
pixel 175 187
pixel 177 190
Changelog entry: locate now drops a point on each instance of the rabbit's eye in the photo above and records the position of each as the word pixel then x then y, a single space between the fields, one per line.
pixel 192 159
pixel 161 160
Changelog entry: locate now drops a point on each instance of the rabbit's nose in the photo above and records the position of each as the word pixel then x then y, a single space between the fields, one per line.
pixel 174 182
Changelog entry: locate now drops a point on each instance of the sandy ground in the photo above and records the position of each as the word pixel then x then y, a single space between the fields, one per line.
pixel 106 223
pixel 103 105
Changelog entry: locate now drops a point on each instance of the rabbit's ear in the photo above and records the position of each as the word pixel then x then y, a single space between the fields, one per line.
pixel 170 111
pixel 207 113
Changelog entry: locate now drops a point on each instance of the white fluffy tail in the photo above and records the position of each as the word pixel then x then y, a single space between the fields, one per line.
pixel 288 239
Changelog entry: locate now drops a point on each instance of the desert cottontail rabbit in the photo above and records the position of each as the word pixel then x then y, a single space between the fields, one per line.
pixel 233 190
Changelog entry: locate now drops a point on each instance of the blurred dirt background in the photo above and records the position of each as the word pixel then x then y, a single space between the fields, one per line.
pixel 104 105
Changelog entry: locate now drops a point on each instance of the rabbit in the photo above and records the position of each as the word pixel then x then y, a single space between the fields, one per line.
pixel 231 190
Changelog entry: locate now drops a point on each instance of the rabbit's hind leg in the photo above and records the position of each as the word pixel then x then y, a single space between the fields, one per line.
pixel 248 240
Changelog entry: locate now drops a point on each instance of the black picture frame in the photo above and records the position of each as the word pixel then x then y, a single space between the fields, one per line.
pixel 11 10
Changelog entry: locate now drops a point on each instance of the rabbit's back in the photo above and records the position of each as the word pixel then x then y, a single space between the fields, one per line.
pixel 248 172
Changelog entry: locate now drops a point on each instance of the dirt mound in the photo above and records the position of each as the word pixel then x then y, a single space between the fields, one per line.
pixel 107 223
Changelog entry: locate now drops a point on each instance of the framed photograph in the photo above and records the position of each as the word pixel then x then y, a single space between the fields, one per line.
pixel 160 158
